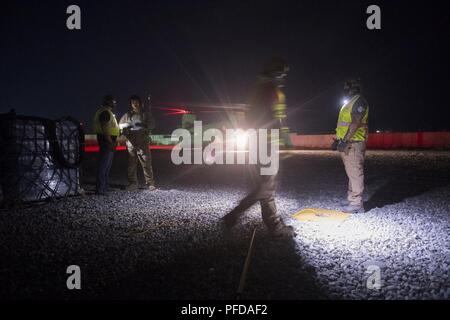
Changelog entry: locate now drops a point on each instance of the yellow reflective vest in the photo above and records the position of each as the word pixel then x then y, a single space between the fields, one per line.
pixel 279 108
pixel 279 113
pixel 112 126
pixel 345 119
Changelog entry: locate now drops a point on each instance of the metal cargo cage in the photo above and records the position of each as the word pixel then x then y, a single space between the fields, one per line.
pixel 40 158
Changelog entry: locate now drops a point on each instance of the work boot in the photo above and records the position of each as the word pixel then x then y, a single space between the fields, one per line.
pixel 282 230
pixel 132 187
pixel 343 202
pixel 351 208
pixel 233 216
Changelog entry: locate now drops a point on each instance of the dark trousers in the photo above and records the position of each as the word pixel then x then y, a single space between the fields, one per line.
pixel 262 189
pixel 104 166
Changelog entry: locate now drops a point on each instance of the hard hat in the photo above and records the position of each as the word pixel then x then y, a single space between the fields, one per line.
pixel 276 67
pixel 353 84
pixel 136 97
pixel 109 101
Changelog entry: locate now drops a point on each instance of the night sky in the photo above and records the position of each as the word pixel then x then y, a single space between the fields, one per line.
pixel 210 52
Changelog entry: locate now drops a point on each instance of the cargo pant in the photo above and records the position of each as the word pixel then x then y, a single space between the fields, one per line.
pixel 354 167
pixel 138 151
pixel 263 189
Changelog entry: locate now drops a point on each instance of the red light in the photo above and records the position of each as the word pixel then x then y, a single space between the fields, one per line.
pixel 91 149
pixel 96 148
pixel 174 111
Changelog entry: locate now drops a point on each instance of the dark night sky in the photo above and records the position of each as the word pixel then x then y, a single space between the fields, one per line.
pixel 211 51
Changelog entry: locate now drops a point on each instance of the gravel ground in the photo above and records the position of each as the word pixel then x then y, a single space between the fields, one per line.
pixel 169 244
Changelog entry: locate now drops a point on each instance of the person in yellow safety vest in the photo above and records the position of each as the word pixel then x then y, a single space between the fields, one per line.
pixel 107 130
pixel 351 137
pixel 267 111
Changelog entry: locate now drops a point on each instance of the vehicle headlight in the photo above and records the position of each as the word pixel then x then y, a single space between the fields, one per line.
pixel 241 140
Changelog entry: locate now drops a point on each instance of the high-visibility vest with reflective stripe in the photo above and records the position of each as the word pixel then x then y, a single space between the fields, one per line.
pixel 345 119
pixel 279 108
pixel 279 113
pixel 112 126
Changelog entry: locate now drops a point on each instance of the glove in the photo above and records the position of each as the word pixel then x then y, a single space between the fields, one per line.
pixel 334 144
pixel 343 146
pixel 126 131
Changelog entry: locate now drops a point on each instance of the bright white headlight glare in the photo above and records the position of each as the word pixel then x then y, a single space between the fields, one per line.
pixel 241 140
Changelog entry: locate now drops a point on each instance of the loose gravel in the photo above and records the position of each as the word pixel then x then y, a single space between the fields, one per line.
pixel 169 244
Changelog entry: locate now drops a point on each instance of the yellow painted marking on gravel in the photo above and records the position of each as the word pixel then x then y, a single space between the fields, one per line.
pixel 316 214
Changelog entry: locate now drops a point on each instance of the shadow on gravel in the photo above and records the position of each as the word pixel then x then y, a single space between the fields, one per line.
pixel 398 188
pixel 212 271
pixel 279 272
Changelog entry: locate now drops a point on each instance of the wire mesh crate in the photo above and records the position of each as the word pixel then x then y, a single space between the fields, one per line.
pixel 40 158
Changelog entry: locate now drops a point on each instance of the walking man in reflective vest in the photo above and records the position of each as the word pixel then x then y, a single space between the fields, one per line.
pixel 107 130
pixel 267 111
pixel 351 137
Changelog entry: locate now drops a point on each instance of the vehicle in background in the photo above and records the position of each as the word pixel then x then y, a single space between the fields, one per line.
pixel 172 117
pixel 222 117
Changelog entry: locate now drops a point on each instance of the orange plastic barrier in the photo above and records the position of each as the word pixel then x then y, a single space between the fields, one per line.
pixel 412 140
pixel 322 141
pixel 384 140
pixel 388 140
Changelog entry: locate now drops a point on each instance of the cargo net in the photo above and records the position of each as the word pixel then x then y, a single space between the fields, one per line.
pixel 41 158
